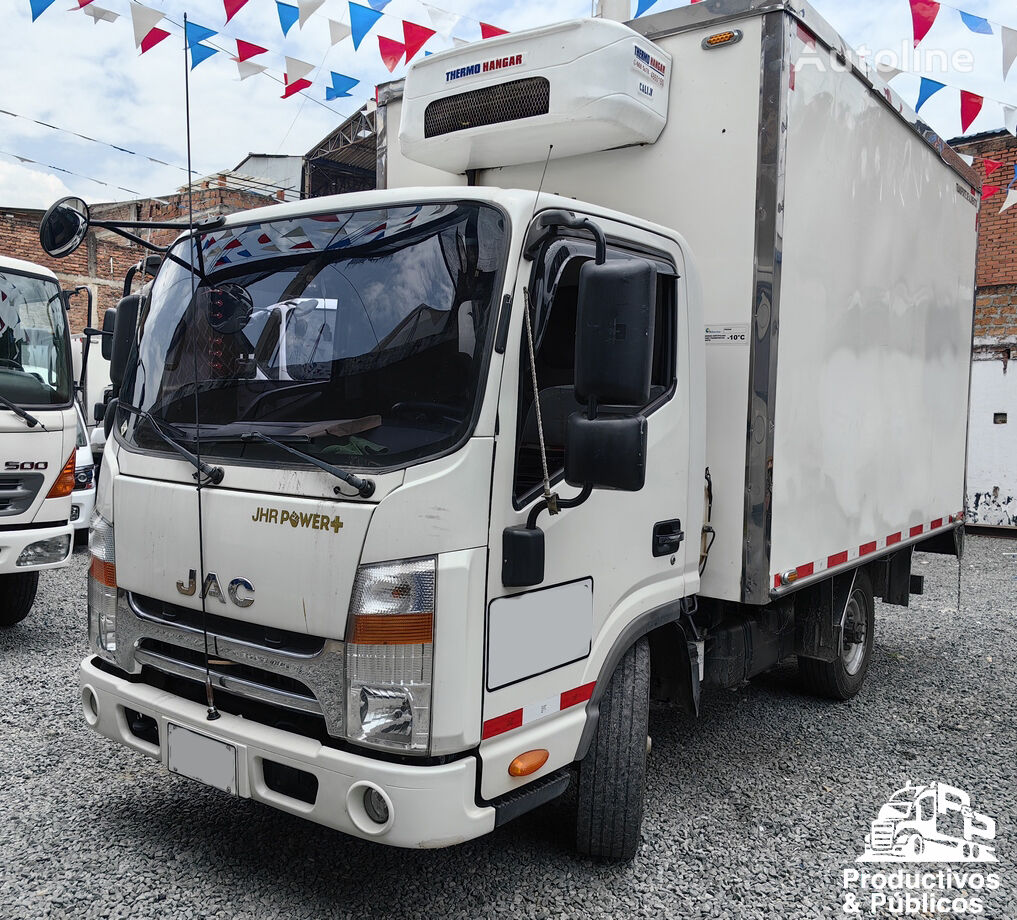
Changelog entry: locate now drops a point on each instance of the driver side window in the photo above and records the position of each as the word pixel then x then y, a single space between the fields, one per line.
pixel 553 312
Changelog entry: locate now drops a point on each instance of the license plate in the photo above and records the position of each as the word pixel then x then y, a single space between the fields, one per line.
pixel 199 757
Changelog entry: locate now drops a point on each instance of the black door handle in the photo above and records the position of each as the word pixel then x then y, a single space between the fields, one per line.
pixel 667 537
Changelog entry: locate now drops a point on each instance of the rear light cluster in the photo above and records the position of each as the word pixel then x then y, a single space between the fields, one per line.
pixel 102 585
pixel 389 655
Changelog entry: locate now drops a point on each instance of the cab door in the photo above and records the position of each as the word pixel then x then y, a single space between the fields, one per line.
pixel 614 558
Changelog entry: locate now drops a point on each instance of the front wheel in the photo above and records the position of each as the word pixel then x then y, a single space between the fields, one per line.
pixel 612 777
pixel 17 594
pixel 842 678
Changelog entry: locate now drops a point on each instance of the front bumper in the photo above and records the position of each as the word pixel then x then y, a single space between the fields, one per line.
pixel 431 806
pixel 13 542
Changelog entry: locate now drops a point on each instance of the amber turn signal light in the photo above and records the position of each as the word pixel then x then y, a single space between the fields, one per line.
pixel 64 484
pixel 528 763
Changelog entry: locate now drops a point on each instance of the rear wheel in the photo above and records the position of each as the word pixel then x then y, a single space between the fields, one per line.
pixel 843 677
pixel 612 777
pixel 17 594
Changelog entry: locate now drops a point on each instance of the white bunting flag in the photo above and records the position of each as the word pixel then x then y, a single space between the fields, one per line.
pixel 297 69
pixel 968 158
pixel 338 31
pixel 1009 50
pixel 98 14
pixel 1011 200
pixel 443 22
pixel 459 42
pixel 144 20
pixel 887 71
pixel 249 69
pixel 307 9
pixel 1010 119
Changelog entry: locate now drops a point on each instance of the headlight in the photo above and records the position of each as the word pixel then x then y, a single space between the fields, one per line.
pixel 389 655
pixel 45 552
pixel 102 585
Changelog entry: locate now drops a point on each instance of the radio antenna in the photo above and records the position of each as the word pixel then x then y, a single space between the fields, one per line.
pixel 213 712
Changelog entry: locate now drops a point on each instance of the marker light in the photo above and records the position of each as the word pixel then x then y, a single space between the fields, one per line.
pixel 102 585
pixel 730 37
pixel 389 655
pixel 528 763
pixel 64 484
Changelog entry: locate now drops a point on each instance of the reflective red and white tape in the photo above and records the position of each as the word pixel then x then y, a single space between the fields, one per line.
pixel 501 724
pixel 781 580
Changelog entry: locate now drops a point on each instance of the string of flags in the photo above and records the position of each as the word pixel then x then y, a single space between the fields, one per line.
pixel 151 27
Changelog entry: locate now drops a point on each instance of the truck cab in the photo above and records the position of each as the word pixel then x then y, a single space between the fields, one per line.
pixel 37 433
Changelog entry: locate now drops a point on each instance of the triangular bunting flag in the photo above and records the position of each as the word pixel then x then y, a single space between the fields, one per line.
pixel 459 42
pixel 489 31
pixel 39 7
pixel 201 53
pixel 442 21
pixel 287 16
pixel 295 87
pixel 887 71
pixel 923 15
pixel 338 31
pixel 341 86
pixel 928 89
pixel 976 23
pixel 81 5
pixel 1010 119
pixel 643 6
pixel 971 107
pixel 143 20
pixel 196 33
pixel 98 13
pixel 233 7
pixel 415 37
pixel 247 69
pixel 247 50
pixel 379 5
pixel 362 20
pixel 391 52
pixel 967 158
pixel 1009 50
pixel 297 69
pixel 308 8
pixel 1011 200
pixel 989 190
pixel 152 39
pixel 991 166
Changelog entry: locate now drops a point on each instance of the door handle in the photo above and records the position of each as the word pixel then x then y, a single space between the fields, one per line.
pixel 667 537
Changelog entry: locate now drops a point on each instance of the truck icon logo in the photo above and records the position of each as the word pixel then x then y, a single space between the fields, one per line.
pixel 934 823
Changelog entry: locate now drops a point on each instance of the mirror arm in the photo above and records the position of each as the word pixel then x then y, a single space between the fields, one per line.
pixel 212 223
pixel 531 520
pixel 164 251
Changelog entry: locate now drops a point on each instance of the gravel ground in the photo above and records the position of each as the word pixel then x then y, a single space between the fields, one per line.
pixel 754 810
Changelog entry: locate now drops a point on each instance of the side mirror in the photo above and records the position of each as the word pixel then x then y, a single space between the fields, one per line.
pixel 123 338
pixel 606 452
pixel 109 323
pixel 63 227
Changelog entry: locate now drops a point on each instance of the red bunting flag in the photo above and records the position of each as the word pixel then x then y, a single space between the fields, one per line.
pixel 488 31
pixel 152 39
pixel 391 52
pixel 247 50
pixel 991 166
pixel 989 190
pixel 923 15
pixel 83 3
pixel 416 37
pixel 971 106
pixel 233 7
pixel 295 87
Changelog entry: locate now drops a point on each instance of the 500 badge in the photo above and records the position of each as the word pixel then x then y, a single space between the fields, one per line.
pixel 13 466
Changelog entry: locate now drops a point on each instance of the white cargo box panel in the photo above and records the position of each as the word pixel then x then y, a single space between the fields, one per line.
pixel 581 86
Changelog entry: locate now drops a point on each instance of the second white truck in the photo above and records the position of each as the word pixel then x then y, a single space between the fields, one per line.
pixel 413 498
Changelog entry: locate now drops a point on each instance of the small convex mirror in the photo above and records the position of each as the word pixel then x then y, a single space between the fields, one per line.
pixel 228 307
pixel 63 227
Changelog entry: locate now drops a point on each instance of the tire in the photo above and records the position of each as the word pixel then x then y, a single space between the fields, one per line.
pixel 17 594
pixel 612 777
pixel 842 678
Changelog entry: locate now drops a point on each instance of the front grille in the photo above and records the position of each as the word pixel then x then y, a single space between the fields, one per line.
pixel 18 492
pixel 488 106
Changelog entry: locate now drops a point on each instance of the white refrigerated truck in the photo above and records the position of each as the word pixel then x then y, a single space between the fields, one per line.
pixel 38 430
pixel 327 576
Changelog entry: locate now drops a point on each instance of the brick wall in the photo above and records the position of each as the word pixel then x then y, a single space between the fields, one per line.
pixel 996 314
pixel 102 260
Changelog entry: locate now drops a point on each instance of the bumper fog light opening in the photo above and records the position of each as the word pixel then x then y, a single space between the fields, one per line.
pixel 90 706
pixel 370 808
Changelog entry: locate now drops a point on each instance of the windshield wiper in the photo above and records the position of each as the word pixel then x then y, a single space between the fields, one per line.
pixel 214 474
pixel 364 486
pixel 27 417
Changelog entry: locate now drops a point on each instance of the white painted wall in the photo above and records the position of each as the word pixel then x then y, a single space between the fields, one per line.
pixel 992 447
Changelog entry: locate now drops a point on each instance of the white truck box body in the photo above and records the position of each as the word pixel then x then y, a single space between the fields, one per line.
pixel 819 209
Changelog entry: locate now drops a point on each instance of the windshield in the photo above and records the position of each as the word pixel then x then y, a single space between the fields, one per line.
pixel 34 355
pixel 357 337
